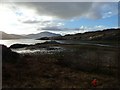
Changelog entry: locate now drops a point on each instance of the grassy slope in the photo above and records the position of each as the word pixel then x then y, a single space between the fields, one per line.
pixel 107 35
pixel 61 69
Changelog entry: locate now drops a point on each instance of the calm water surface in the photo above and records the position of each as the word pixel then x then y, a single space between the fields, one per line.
pixel 8 43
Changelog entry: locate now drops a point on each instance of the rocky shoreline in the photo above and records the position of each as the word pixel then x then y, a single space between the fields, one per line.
pixel 38 48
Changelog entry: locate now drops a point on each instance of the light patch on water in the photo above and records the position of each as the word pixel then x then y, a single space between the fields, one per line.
pixel 26 51
pixel 10 42
pixel 48 50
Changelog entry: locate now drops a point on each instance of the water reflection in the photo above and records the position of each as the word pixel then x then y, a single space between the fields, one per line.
pixel 48 50
pixel 8 43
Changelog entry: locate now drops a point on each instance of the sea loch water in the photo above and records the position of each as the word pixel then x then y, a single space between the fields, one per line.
pixel 8 43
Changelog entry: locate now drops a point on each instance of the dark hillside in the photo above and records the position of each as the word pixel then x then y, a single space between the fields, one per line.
pixel 107 34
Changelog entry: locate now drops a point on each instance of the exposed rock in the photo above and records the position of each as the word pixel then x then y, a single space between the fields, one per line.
pixel 51 42
pixel 14 46
pixel 43 38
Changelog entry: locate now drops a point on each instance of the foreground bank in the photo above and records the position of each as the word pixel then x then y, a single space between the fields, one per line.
pixel 75 66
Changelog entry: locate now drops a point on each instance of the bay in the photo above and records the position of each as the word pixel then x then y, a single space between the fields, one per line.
pixel 10 42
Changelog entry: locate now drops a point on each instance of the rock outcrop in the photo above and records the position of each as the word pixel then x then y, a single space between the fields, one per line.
pixel 15 46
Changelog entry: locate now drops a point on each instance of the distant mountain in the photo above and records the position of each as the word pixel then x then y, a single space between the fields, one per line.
pixel 4 35
pixel 107 34
pixel 42 34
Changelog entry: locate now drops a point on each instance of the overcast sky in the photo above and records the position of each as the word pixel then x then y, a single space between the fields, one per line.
pixel 58 17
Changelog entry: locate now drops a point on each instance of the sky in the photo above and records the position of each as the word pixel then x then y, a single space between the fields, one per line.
pixel 57 17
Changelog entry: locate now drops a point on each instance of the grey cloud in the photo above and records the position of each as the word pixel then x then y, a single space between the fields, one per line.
pixel 66 10
pixel 31 21
pixel 36 21
pixel 54 28
pixel 81 28
pixel 50 25
pixel 60 1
